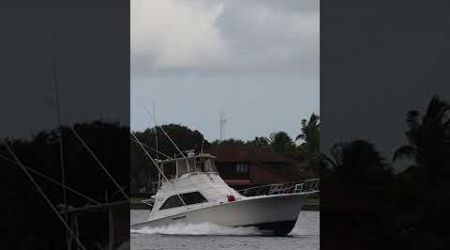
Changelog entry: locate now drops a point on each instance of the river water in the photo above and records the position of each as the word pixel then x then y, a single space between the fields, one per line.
pixel 305 236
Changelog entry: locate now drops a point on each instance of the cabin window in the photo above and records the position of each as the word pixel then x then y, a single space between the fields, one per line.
pixel 193 198
pixel 210 166
pixel 241 168
pixel 173 201
pixel 188 198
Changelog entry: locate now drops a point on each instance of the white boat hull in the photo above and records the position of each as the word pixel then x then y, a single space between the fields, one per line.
pixel 273 214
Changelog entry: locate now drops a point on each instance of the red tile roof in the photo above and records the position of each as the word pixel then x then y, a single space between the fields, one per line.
pixel 241 182
pixel 238 153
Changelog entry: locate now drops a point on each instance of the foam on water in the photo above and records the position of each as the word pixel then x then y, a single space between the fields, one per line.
pixel 197 229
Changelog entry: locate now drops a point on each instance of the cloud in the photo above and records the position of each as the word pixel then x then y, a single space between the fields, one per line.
pixel 172 36
pixel 176 34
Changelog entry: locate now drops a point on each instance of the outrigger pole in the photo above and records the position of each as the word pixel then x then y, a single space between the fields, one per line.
pixel 74 235
pixel 156 134
pixel 61 146
pixel 52 180
pixel 165 133
pixel 99 163
pixel 151 148
pixel 57 107
pixel 43 195
pixel 156 141
pixel 156 165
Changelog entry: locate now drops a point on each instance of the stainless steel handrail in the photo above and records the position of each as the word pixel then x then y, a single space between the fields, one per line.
pixel 309 185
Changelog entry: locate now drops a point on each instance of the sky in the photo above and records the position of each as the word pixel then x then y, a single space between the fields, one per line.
pixel 82 46
pixel 377 67
pixel 257 61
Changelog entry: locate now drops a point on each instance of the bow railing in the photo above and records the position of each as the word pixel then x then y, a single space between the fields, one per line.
pixel 305 186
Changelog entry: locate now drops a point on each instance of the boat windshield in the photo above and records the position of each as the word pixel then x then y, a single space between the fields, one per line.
pixel 205 165
pixel 199 164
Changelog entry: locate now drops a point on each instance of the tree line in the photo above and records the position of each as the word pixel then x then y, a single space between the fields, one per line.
pixel 28 219
pixel 154 140
pixel 365 205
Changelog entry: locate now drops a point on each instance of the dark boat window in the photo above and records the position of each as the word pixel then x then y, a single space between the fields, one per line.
pixel 188 198
pixel 173 201
pixel 193 198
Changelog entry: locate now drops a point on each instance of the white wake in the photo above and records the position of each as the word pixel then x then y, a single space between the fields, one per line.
pixel 197 229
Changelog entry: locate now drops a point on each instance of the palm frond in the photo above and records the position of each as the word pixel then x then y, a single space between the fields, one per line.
pixel 436 110
pixel 406 151
pixel 300 137
pixel 325 158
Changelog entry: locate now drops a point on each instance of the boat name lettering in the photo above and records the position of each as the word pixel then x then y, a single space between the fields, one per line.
pixel 178 218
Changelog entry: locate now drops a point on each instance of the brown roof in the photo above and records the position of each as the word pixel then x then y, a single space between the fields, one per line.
pixel 240 153
pixel 242 182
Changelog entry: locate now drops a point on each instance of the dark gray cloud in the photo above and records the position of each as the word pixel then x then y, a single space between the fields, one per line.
pixel 90 44
pixel 378 66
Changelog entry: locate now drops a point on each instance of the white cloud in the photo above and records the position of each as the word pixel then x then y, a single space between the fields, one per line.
pixel 176 33
pixel 218 35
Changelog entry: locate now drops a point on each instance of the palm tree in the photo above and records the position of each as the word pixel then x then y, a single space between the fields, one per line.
pixel 429 138
pixel 310 129
pixel 310 136
pixel 423 190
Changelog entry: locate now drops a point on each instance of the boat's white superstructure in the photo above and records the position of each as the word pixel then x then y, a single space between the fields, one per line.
pixel 194 193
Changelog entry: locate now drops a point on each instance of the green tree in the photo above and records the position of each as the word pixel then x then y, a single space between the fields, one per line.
pixel 281 142
pixel 260 141
pixel 230 141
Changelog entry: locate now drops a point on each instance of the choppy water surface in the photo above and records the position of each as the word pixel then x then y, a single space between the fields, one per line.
pixel 305 236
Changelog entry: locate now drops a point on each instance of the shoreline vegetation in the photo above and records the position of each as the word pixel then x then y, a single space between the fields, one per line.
pixel 88 183
pixel 304 148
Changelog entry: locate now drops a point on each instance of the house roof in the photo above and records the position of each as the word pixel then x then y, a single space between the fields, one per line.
pixel 239 153
pixel 242 182
pixel 262 157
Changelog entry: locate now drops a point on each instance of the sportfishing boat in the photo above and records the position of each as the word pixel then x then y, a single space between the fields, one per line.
pixel 192 192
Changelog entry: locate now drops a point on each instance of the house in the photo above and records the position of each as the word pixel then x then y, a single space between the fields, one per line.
pixel 246 166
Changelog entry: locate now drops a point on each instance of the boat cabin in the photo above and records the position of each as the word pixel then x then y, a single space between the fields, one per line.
pixel 192 181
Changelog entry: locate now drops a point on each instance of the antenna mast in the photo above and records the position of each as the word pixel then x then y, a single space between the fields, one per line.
pixel 222 125
pixel 156 141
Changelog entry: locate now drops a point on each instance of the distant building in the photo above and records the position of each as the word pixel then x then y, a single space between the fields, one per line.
pixel 246 166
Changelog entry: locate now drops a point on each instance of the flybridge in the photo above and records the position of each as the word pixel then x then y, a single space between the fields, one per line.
pixel 177 167
pixel 188 157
